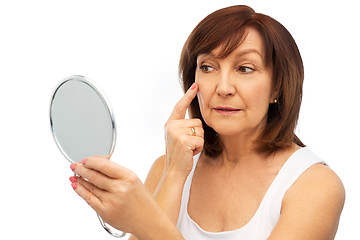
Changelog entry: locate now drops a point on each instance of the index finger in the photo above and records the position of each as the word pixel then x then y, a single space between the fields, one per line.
pixel 181 107
pixel 106 167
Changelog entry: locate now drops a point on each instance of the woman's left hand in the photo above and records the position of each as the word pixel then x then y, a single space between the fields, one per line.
pixel 116 194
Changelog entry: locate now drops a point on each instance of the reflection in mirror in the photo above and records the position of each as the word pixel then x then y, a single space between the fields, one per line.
pixel 82 123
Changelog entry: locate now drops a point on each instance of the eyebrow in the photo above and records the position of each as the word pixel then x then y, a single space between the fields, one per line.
pixel 247 51
pixel 238 54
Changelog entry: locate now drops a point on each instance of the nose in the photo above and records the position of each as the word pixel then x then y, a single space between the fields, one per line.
pixel 225 85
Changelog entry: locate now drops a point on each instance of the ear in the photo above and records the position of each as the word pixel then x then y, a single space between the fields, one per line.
pixel 274 97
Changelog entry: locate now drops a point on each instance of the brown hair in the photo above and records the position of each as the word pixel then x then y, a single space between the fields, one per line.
pixel 226 28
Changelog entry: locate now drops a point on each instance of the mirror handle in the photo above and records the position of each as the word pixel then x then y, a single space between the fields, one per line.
pixel 117 235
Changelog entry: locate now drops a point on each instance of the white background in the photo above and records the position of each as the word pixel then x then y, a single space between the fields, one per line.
pixel 131 49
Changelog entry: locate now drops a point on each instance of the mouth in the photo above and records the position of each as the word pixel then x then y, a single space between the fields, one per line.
pixel 226 110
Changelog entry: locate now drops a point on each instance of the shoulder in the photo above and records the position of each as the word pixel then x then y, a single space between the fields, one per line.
pixel 155 173
pixel 314 203
pixel 320 182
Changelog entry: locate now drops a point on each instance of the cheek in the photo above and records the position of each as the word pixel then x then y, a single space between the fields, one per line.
pixel 257 98
pixel 204 100
pixel 201 100
pixel 203 96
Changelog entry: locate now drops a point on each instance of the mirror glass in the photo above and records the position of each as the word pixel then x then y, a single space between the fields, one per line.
pixel 81 120
pixel 82 124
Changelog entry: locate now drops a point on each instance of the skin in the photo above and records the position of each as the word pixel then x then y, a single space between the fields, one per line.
pixel 241 81
pixel 120 199
pixel 311 208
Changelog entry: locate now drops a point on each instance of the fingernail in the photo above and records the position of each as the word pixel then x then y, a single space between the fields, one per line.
pixel 73 166
pixel 193 86
pixel 84 161
pixel 74 185
pixel 73 179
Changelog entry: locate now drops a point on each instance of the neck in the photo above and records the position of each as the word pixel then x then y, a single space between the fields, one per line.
pixel 238 152
pixel 239 149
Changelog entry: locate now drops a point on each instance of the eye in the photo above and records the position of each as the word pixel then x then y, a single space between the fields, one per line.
pixel 244 69
pixel 206 68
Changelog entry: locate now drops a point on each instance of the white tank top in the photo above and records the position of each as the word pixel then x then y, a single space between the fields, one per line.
pixel 267 215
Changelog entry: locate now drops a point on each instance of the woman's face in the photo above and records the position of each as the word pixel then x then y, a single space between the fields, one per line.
pixel 235 92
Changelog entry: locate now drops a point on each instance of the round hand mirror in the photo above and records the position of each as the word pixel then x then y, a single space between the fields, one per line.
pixel 82 123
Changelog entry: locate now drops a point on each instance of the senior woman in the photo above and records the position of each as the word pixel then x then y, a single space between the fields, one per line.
pixel 236 169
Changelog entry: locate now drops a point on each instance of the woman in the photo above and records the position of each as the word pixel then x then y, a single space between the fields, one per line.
pixel 235 170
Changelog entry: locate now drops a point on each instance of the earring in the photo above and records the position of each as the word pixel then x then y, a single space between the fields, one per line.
pixel 275 100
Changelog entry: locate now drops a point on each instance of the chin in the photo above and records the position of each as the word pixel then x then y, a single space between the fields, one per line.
pixel 227 130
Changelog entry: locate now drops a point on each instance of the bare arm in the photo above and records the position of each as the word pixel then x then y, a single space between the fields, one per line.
pixel 166 193
pixel 168 174
pixel 154 177
pixel 312 206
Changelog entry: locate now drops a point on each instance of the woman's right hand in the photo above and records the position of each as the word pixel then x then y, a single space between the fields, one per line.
pixel 184 137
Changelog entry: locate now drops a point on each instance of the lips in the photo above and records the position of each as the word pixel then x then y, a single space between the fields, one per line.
pixel 226 110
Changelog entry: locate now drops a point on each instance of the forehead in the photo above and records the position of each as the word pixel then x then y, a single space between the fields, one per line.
pixel 252 42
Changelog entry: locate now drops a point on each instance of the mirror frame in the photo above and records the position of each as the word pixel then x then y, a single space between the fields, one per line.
pixel 101 96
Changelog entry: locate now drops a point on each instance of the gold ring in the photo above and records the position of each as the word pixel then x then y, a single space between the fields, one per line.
pixel 193 131
pixel 191 148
